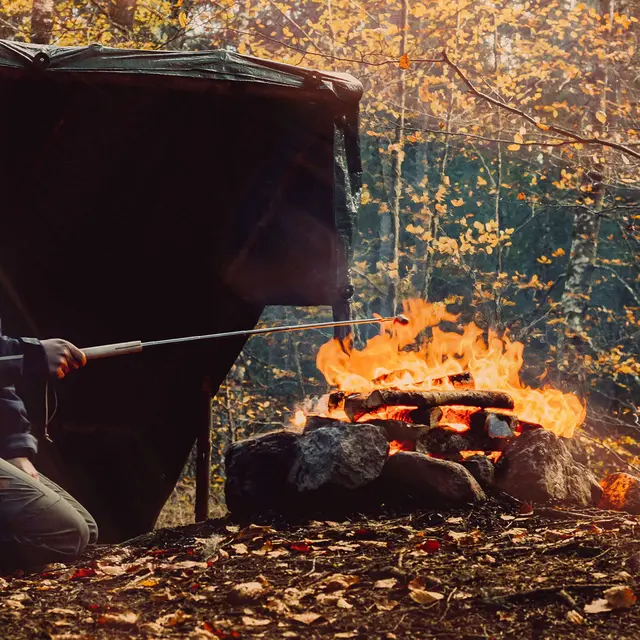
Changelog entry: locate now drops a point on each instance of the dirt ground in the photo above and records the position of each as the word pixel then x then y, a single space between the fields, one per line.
pixel 501 570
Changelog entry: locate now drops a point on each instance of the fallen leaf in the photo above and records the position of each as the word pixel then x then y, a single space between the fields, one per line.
pixel 10 603
pixel 173 619
pixel 385 604
pixel 430 545
pixel 344 546
pixel 254 531
pixel 246 592
pixel 111 570
pixel 506 517
pixel 300 547
pixel 598 606
pixel 457 520
pixel 126 619
pixel 164 595
pixel 344 604
pixel 601 116
pixel 57 611
pixel 151 582
pixel 255 622
pixel 340 582
pixel 425 597
pixel 464 537
pixel 575 617
pixel 83 572
pixel 388 583
pixel 306 618
pixel 240 548
pixel 620 597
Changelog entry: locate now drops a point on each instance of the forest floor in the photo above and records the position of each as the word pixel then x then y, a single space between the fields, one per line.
pixel 493 571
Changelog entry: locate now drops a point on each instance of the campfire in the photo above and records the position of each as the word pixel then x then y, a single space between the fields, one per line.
pixel 420 414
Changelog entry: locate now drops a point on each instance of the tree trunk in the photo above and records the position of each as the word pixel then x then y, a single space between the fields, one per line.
pixel 42 21
pixel 576 295
pixel 396 169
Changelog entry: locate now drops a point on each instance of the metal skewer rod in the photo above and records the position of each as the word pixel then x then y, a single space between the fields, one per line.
pixel 122 348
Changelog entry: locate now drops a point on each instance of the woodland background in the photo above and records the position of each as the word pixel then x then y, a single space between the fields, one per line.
pixel 501 151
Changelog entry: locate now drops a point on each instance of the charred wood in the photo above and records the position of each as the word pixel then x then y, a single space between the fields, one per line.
pixel 523 426
pixel 445 441
pixel 357 405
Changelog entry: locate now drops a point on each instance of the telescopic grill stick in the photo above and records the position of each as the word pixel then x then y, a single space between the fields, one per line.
pixel 123 348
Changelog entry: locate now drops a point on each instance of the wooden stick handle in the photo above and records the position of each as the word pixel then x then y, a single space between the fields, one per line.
pixel 108 350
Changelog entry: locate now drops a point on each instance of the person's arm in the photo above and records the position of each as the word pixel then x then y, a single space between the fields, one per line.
pixel 28 358
pixel 21 357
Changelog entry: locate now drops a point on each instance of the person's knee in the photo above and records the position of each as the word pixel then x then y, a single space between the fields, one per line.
pixel 93 531
pixel 76 535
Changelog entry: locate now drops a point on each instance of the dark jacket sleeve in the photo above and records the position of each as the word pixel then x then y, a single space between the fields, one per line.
pixel 19 358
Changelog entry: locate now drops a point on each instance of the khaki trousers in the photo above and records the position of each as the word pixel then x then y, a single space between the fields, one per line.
pixel 39 521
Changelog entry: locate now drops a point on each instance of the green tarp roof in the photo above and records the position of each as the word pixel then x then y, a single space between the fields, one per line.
pixel 198 67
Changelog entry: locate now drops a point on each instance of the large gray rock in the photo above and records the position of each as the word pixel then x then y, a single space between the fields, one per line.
pixel 345 455
pixel 257 470
pixel 429 481
pixel 482 469
pixel 538 467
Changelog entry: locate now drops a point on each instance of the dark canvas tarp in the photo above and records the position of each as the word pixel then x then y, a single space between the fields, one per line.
pixel 150 195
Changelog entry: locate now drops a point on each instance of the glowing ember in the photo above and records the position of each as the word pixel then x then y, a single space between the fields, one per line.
pixel 299 419
pixel 493 362
pixel 399 445
pixel 391 412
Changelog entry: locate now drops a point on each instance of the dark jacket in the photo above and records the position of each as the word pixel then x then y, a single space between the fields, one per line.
pixel 28 360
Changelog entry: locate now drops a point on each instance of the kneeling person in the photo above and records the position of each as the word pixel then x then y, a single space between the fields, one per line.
pixel 39 521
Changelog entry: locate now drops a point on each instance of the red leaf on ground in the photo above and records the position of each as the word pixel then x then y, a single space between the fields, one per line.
pixel 83 572
pixel 300 547
pixel 430 546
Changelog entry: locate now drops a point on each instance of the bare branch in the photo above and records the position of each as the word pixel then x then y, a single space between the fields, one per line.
pixel 545 127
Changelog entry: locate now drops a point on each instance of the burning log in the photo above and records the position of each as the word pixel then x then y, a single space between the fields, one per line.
pixel 523 426
pixel 356 405
pixel 458 380
pixel 336 400
pixel 446 441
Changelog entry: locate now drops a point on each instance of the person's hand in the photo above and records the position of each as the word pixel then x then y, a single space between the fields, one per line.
pixel 24 464
pixel 62 356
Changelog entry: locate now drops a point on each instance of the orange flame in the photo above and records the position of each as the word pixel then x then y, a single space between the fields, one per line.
pixel 494 363
pixel 299 419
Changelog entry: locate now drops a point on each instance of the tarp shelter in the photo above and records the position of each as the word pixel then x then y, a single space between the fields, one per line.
pixel 150 195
